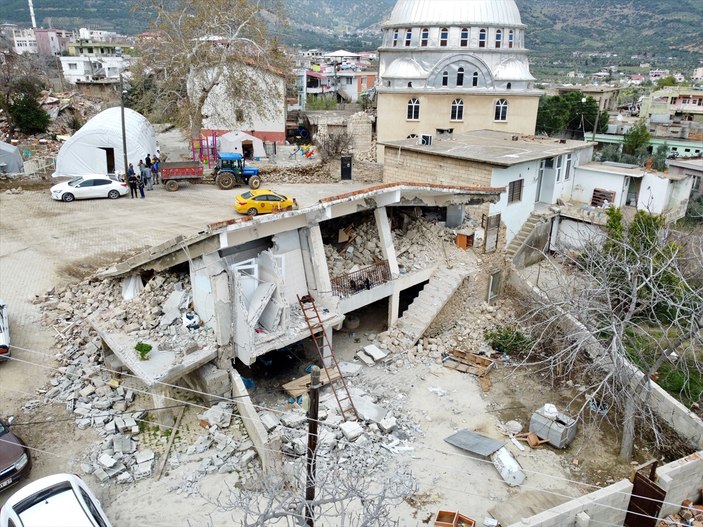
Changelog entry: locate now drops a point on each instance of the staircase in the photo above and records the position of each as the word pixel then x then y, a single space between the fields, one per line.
pixel 519 240
pixel 329 362
pixel 427 305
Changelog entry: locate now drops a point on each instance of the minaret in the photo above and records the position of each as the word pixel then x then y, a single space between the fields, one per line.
pixel 31 13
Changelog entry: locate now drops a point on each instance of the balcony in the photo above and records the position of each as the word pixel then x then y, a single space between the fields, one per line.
pixel 367 278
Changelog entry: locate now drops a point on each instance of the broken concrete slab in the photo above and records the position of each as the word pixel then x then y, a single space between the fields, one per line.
pixel 351 430
pixel 367 410
pixel 269 421
pixel 349 369
pixel 293 419
pixel 375 352
pixel 363 357
pixel 172 308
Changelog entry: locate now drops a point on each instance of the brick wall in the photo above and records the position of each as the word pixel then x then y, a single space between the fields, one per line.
pixel 417 167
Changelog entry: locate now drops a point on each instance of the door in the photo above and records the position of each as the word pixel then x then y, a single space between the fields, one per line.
pixel 540 175
pixel 110 160
pixel 645 501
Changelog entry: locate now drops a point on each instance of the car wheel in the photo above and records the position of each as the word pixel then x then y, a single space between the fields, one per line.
pixel 113 194
pixel 252 211
pixel 225 181
pixel 254 182
pixel 68 197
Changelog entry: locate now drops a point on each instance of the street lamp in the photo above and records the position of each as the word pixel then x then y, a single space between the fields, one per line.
pixel 124 133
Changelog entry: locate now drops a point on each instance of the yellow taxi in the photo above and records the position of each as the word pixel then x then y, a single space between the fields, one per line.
pixel 263 201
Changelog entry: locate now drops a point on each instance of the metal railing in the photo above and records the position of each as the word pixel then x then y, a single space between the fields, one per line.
pixel 366 278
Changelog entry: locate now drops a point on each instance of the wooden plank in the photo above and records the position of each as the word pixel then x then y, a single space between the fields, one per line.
pixel 301 385
pixel 170 443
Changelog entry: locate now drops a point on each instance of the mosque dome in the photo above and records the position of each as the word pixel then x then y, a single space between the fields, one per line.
pixel 454 13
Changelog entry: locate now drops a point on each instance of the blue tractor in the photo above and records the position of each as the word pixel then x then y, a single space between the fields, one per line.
pixel 231 170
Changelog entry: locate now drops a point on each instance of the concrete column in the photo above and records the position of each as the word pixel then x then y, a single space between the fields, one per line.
pixel 384 232
pixel 318 262
pixel 455 216
pixel 393 306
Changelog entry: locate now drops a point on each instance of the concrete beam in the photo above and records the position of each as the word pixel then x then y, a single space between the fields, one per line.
pixel 387 247
pixel 318 261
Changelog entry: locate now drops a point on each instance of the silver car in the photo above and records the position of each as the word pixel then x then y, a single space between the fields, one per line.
pixel 85 187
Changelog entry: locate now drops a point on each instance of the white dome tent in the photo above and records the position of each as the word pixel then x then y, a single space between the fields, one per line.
pixel 10 159
pixel 247 145
pixel 97 147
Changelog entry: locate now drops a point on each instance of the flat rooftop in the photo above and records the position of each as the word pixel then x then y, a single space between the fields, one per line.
pixel 502 149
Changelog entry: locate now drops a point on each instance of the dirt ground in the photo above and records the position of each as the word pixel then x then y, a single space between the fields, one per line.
pixel 45 243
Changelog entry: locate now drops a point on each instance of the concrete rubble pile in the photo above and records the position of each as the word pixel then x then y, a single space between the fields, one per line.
pixel 690 514
pixel 364 250
pixel 310 172
pixel 418 242
pixel 102 399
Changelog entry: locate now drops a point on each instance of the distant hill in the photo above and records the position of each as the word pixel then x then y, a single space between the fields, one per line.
pixel 555 28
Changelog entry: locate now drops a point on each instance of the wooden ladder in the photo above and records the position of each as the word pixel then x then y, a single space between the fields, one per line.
pixel 329 362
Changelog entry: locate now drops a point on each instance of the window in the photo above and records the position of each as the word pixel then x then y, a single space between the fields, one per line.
pixel 445 78
pixel 558 168
pixel 457 110
pixel 482 38
pixel 408 37
pixel 511 36
pixel 395 38
pixel 101 182
pixel 515 191
pixel 72 66
pixel 509 85
pixel 501 113
pixel 460 77
pixel 443 36
pixel 499 37
pixel 413 109
pixel 474 79
pixel 349 81
pixel 410 84
pixel 425 37
pixel 567 172
pixel 464 37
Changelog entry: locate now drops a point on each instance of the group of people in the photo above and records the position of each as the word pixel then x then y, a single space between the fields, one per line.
pixel 145 178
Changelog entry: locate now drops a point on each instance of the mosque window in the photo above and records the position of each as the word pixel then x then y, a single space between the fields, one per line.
pixel 460 77
pixel 457 110
pixel 511 37
pixel 499 37
pixel 445 78
pixel 443 36
pixel 413 109
pixel 509 85
pixel 408 37
pixel 395 38
pixel 501 113
pixel 425 37
pixel 482 38
pixel 464 42
pixel 410 84
pixel 474 79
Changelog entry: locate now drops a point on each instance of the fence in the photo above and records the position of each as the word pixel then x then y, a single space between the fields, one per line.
pixel 39 165
pixel 366 278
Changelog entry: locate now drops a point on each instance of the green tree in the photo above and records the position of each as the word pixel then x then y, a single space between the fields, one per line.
pixel 570 114
pixel 20 86
pixel 636 139
pixel 666 81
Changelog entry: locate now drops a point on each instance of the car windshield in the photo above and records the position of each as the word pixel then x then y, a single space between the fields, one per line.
pixel 75 182
pixel 247 195
pixel 58 502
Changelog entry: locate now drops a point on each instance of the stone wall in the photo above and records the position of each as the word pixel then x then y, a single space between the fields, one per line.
pixel 359 127
pixel 417 167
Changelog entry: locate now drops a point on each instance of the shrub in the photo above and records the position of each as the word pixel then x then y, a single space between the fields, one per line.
pixel 143 350
pixel 508 339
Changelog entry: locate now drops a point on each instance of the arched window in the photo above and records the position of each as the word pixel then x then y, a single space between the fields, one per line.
pixel 443 36
pixel 501 113
pixel 457 110
pixel 413 109
pixel 395 38
pixel 408 37
pixel 511 37
pixel 510 85
pixel 474 79
pixel 499 37
pixel 445 78
pixel 425 37
pixel 464 37
pixel 482 38
pixel 410 84
pixel 460 77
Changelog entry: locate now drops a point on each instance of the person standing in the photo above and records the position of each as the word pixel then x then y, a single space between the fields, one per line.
pixel 132 180
pixel 146 177
pixel 147 161
pixel 155 169
pixel 140 184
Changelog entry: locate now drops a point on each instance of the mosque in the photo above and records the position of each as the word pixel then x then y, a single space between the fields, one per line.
pixel 454 66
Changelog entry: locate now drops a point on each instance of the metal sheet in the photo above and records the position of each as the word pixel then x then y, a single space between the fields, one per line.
pixel 474 443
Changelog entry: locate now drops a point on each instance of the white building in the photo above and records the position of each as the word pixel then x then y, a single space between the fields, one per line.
pixel 91 69
pixel 24 41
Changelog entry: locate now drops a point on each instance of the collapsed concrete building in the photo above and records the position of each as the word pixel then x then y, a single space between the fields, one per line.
pixel 347 252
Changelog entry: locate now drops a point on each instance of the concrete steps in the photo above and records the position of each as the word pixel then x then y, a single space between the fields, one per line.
pixel 427 305
pixel 519 240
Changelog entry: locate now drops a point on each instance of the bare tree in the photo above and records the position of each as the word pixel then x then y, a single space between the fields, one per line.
pixel 631 306
pixel 349 493
pixel 198 46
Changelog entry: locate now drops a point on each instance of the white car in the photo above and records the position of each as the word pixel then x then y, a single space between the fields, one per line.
pixel 61 500
pixel 4 332
pixel 84 187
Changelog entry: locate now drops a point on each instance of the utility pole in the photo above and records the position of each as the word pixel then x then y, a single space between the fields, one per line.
pixel 124 132
pixel 312 443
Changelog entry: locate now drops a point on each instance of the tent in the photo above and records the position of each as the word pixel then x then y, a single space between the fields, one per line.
pixel 97 147
pixel 245 144
pixel 10 159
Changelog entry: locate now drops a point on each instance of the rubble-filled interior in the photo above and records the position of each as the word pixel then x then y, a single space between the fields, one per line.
pixel 351 243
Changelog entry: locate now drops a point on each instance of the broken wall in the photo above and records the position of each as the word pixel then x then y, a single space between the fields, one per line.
pixel 534 247
pixel 286 245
